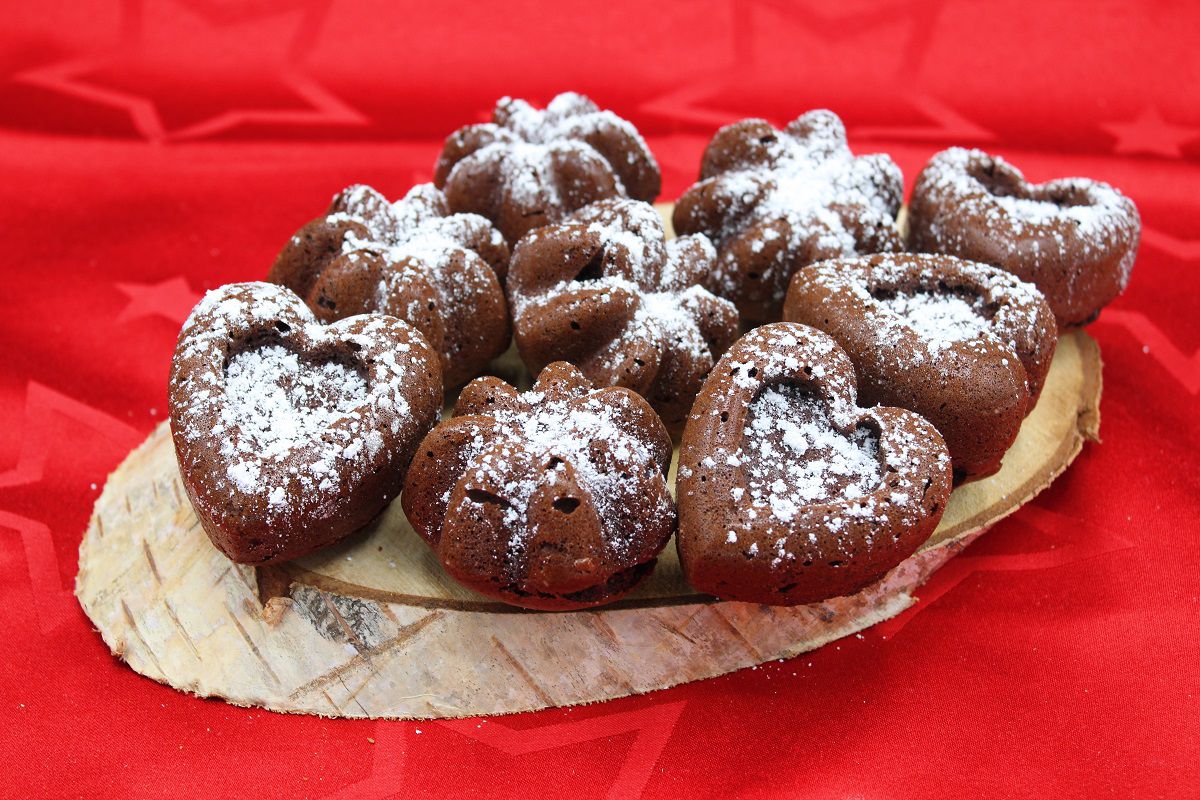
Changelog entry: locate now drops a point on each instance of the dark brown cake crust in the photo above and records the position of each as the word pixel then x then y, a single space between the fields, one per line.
pixel 290 435
pixel 442 273
pixel 1075 239
pixel 789 493
pixel 605 291
pixel 774 201
pixel 965 345
pixel 552 499
pixel 527 168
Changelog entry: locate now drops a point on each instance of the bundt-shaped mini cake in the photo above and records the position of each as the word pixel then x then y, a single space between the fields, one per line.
pixel 1075 239
pixel 555 499
pixel 605 291
pixel 442 273
pixel 789 492
pixel 529 168
pixel 965 345
pixel 774 201
pixel 290 434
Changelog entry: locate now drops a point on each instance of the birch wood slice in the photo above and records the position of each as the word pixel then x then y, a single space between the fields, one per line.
pixel 374 628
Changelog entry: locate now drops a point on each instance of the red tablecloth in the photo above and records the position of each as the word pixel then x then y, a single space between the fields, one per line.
pixel 152 149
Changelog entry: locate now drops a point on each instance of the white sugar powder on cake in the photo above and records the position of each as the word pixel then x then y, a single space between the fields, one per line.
pixel 533 448
pixel 274 404
pixel 812 189
pixel 653 277
pixel 939 317
pixel 795 457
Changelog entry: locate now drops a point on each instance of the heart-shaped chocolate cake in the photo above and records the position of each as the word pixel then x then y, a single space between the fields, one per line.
pixel 555 499
pixel 789 493
pixel 607 292
pixel 965 345
pixel 290 434
pixel 1074 238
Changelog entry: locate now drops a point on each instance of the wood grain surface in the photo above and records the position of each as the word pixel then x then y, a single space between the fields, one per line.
pixel 374 628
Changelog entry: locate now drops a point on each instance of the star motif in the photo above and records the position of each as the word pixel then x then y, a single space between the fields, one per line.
pixel 698 102
pixel 41 433
pixel 1149 133
pixel 171 299
pixel 1066 547
pixel 1158 345
pixel 175 68
pixel 654 725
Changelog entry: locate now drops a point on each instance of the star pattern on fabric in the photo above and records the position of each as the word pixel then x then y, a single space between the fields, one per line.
pixel 653 724
pixel 41 435
pixel 172 299
pixel 252 50
pixel 1150 133
pixel 693 101
pixel 1067 547
pixel 1158 345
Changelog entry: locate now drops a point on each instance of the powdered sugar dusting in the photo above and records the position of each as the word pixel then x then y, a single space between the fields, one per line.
pixel 420 240
pixel 550 444
pixel 795 457
pixel 1061 219
pixel 660 280
pixel 528 144
pixel 983 304
pixel 275 405
pixel 940 317
pixel 809 190
pixel 287 426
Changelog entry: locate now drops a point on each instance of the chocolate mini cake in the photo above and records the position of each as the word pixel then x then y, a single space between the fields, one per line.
pixel 554 499
pixel 290 434
pixel 789 493
pixel 527 168
pixel 965 345
pixel 774 201
pixel 440 272
pixel 605 291
pixel 1075 239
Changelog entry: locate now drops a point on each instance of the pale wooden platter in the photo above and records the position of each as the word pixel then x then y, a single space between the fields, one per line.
pixel 374 628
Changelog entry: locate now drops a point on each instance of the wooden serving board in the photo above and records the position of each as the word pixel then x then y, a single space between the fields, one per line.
pixel 373 627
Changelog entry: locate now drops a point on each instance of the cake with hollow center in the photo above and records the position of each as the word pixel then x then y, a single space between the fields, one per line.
pixel 1075 239
pixel 789 493
pixel 605 291
pixel 553 499
pixel 440 272
pixel 290 434
pixel 965 345
pixel 527 168
pixel 773 201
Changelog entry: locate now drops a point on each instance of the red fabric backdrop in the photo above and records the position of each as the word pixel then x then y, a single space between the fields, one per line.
pixel 150 149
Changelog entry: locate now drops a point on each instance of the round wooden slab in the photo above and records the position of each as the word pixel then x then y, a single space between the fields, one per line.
pixel 374 628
